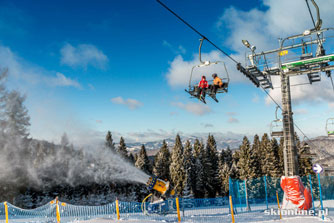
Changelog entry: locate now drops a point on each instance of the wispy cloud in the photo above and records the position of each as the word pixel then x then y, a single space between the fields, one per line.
pixel 300 111
pixel 32 74
pixel 194 108
pixel 130 103
pixel 61 80
pixel 232 118
pixel 207 125
pixel 256 98
pixel 177 50
pixel 83 55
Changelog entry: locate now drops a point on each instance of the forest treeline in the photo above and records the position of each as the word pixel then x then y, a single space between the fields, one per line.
pixel 33 172
pixel 201 170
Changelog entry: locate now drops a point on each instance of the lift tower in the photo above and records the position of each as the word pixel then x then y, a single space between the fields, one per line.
pixel 302 54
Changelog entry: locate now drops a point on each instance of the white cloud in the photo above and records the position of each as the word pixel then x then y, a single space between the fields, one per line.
pixel 194 108
pixel 300 111
pixel 316 93
pixel 61 80
pixel 82 56
pixel 130 103
pixel 232 120
pixel 30 74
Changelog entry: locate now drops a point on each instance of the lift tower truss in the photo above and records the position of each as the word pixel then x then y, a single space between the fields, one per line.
pixel 297 55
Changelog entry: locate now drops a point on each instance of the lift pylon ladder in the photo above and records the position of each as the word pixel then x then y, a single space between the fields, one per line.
pixel 301 54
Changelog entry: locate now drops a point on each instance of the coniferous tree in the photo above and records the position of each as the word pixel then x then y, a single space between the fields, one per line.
pixel 224 173
pixel 198 186
pixel 264 145
pixel 122 148
pixel 109 142
pixel 256 150
pixel 16 116
pixel 270 163
pixel 211 164
pixel 228 157
pixel 281 156
pixel 132 158
pixel 189 166
pixel 177 172
pixel 143 162
pixel 162 162
pixel 64 141
pixel 304 159
pixel 247 161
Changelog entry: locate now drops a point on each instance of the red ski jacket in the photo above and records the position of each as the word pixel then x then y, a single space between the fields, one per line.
pixel 203 84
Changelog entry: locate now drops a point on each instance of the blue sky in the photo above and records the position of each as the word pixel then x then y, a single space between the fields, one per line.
pixel 92 66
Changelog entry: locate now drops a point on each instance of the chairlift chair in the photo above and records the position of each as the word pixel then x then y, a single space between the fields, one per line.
pixel 330 127
pixel 193 88
pixel 276 127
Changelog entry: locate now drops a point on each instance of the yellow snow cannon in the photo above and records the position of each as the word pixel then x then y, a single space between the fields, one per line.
pixel 161 186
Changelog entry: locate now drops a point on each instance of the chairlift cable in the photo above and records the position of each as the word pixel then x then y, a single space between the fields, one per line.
pixel 294 123
pixel 196 31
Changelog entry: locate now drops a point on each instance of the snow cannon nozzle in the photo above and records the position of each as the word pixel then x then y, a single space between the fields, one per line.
pixel 161 186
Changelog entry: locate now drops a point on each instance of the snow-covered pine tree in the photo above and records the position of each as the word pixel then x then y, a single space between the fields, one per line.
pixel 162 162
pixel 256 150
pixel 64 141
pixel 270 166
pixel 109 142
pixel 224 172
pixel 143 162
pixel 228 157
pixel 264 144
pixel 122 148
pixel 16 116
pixel 131 158
pixel 176 168
pixel 304 159
pixel 190 174
pixel 211 163
pixel 247 161
pixel 198 186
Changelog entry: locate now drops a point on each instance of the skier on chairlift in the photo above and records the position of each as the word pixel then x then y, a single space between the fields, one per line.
pixel 202 86
pixel 217 83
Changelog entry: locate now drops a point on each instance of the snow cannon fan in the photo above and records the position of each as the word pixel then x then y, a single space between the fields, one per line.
pixel 161 186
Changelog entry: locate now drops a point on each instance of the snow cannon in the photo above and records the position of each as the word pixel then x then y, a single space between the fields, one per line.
pixel 161 186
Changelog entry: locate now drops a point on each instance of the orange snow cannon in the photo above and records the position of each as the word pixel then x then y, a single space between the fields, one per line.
pixel 161 186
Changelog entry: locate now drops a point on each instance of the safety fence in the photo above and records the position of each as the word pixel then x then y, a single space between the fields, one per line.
pixel 249 201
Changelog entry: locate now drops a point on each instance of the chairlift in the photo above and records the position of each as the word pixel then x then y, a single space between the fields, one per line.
pixel 276 126
pixel 330 127
pixel 193 89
